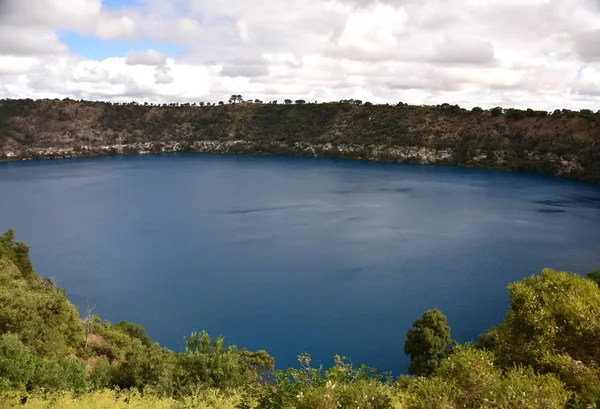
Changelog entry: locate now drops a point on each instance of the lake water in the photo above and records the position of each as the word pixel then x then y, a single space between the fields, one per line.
pixel 295 254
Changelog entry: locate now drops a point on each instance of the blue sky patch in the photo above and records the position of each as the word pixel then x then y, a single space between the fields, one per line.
pixel 115 4
pixel 580 72
pixel 94 48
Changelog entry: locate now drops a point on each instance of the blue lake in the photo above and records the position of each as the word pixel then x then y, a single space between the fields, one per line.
pixel 295 254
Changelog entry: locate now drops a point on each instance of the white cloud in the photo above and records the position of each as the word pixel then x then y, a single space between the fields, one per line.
pixel 149 57
pixel 34 41
pixel 471 52
pixel 456 50
pixel 10 65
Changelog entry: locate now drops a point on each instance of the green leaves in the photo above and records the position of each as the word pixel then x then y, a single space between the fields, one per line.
pixel 135 331
pixel 469 379
pixel 17 362
pixel 594 275
pixel 428 342
pixel 553 326
pixel 16 252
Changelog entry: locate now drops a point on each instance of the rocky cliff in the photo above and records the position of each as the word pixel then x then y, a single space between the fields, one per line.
pixel 562 143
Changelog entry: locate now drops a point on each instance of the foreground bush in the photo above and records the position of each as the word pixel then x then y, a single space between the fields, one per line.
pixel 469 379
pixel 553 326
pixel 545 355
pixel 111 399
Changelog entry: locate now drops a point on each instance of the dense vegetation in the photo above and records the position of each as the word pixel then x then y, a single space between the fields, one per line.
pixel 545 354
pixel 564 143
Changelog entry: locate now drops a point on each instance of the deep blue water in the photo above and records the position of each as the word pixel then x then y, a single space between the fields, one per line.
pixel 295 254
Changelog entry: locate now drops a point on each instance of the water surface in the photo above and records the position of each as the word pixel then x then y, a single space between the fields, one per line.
pixel 295 254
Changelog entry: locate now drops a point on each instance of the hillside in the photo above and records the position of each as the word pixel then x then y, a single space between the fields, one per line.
pixel 563 143
pixel 544 355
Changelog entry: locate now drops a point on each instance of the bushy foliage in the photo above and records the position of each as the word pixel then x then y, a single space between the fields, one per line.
pixel 60 374
pixel 134 330
pixel 497 111
pixel 428 342
pixel 34 309
pixel 146 367
pixel 42 316
pixel 544 355
pixel 208 363
pixel 102 374
pixel 17 363
pixel 552 326
pixel 341 386
pixel 469 379
pixel 17 252
pixel 104 399
pixel 594 275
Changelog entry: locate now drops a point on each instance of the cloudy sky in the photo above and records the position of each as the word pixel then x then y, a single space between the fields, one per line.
pixel 526 53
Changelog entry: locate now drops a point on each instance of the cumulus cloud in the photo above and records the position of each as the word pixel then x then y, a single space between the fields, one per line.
pixel 34 41
pixel 471 52
pixel 246 67
pixel 454 50
pixel 587 44
pixel 149 57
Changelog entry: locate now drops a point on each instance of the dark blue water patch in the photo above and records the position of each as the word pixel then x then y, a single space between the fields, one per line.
pixel 295 254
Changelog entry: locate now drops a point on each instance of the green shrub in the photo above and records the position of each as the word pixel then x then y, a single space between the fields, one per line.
pixel 523 388
pixel 102 374
pixel 61 374
pixel 146 368
pixel 208 363
pixel 361 394
pixel 42 316
pixel 468 379
pixel 134 330
pixel 17 362
pixel 428 342
pixel 594 276
pixel 552 326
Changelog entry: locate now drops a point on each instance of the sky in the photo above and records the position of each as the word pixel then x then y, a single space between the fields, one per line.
pixel 541 54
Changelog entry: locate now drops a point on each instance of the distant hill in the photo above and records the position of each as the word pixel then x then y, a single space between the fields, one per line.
pixel 562 143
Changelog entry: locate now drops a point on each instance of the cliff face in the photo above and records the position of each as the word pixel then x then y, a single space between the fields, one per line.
pixel 562 144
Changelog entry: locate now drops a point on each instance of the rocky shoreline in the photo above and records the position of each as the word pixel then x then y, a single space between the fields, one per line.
pixel 396 154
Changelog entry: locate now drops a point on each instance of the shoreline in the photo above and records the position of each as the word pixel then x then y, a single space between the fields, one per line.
pixel 372 153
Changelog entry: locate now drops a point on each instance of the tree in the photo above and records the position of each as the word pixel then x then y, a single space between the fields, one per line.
pixel 209 363
pixel 552 326
pixel 234 99
pixel 497 111
pixel 63 374
pixel 300 102
pixel 428 342
pixel 515 114
pixel 288 101
pixel 221 103
pixel 88 323
pixel 469 379
pixel 595 276
pixel 146 366
pixel 134 330
pixel 17 362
